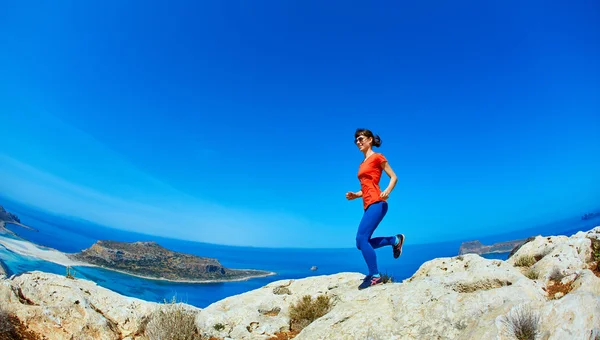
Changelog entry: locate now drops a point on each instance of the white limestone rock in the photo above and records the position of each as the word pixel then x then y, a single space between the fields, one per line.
pixel 61 308
pixel 464 297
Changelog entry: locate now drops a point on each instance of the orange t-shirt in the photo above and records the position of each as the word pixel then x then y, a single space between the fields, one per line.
pixel 369 174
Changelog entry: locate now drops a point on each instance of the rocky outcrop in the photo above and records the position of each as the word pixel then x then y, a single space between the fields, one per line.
pixel 149 259
pixel 553 280
pixel 464 297
pixel 476 247
pixel 61 308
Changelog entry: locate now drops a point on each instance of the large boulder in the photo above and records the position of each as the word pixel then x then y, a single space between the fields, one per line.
pixel 62 308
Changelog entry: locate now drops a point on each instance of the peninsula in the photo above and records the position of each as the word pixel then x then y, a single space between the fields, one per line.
pixel 476 247
pixel 152 261
pixel 8 217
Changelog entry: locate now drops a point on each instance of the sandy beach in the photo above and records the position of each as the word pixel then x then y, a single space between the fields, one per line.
pixel 26 248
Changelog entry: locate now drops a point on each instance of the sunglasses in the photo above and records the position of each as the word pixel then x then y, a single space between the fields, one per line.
pixel 359 139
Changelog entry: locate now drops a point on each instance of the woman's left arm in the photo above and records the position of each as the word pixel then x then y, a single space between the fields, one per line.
pixel 393 179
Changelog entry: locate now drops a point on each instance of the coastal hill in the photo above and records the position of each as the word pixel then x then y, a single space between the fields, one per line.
pixel 150 260
pixel 551 286
pixel 476 247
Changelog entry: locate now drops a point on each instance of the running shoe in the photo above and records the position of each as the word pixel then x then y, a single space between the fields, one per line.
pixel 370 281
pixel 398 248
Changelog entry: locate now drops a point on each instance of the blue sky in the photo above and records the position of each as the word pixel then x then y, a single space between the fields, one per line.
pixel 232 122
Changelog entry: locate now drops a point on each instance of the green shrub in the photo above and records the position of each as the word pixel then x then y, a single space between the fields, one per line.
pixel 308 310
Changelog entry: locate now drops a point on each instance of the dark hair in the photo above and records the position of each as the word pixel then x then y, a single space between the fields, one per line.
pixel 367 133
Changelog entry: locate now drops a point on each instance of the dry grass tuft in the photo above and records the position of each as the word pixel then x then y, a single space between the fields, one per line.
pixel 308 310
pixel 70 273
pixel 172 321
pixel 522 323
pixel 556 275
pixel 532 274
pixel 385 278
pixel 525 261
pixel 595 249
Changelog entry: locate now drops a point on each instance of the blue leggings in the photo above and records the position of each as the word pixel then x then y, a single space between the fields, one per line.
pixel 373 215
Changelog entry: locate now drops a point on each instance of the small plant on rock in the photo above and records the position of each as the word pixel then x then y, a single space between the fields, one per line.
pixel 595 248
pixel 308 310
pixel 525 261
pixel 70 273
pixel 172 321
pixel 385 278
pixel 522 323
pixel 532 274
pixel 556 275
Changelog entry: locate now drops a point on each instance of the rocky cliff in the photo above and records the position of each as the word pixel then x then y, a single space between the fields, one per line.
pixel 149 259
pixel 551 282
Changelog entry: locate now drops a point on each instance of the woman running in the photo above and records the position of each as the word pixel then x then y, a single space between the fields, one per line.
pixel 374 204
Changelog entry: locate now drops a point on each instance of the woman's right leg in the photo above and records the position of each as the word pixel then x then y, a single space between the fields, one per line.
pixel 371 219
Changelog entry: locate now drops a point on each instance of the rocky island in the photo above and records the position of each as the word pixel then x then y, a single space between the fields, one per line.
pixel 150 260
pixel 476 247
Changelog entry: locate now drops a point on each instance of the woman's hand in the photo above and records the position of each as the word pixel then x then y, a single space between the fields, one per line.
pixel 352 195
pixel 385 194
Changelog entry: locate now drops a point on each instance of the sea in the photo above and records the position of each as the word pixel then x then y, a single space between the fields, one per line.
pixel 71 236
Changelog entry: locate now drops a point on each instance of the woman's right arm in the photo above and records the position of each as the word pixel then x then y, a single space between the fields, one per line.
pixel 353 195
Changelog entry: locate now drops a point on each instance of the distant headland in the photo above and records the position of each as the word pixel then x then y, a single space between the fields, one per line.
pixel 476 247
pixel 8 217
pixel 589 216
